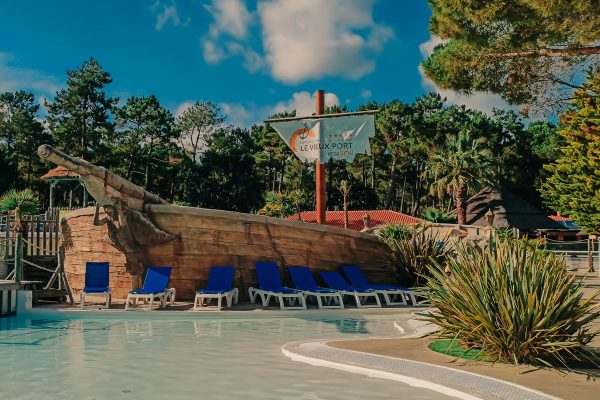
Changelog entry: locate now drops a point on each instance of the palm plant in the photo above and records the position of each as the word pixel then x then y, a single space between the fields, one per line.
pixel 459 168
pixel 513 301
pixel 433 214
pixel 345 189
pixel 19 204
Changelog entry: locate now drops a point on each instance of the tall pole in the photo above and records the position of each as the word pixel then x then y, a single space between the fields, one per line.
pixel 320 168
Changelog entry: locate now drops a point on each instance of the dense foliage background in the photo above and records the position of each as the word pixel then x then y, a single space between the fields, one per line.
pixel 426 155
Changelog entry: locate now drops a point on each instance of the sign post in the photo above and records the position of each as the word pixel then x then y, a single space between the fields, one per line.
pixel 322 137
pixel 320 167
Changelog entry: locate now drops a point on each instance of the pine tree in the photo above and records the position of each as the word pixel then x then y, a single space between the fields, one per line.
pixel 20 135
pixel 79 116
pixel 144 126
pixel 574 185
pixel 524 50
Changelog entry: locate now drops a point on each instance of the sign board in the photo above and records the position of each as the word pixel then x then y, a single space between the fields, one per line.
pixel 338 138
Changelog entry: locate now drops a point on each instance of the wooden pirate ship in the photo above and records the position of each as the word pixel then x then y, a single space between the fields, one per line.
pixel 133 228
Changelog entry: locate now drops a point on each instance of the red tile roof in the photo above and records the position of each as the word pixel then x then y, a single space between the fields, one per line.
pixel 560 218
pixel 355 218
pixel 59 172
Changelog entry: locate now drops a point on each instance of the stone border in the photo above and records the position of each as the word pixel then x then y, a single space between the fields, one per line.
pixel 445 380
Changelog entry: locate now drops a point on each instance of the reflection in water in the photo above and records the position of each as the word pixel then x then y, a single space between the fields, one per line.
pixel 345 325
pixel 157 358
pixel 207 328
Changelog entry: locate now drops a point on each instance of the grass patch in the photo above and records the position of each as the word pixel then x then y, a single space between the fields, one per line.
pixel 454 348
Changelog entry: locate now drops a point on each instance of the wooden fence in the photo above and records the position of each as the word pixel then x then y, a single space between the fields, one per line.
pixel 41 234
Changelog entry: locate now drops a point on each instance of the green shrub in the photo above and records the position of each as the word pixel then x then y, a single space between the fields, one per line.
pixel 515 302
pixel 413 255
pixel 395 231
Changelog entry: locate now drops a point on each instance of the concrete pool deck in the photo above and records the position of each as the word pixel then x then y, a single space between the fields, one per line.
pixel 579 384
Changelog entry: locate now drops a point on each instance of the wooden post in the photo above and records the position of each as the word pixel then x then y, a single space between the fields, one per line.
pixel 85 195
pixel 590 254
pixel 18 257
pixel 320 168
pixel 52 184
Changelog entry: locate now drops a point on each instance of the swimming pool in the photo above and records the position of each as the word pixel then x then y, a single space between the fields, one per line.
pixel 206 357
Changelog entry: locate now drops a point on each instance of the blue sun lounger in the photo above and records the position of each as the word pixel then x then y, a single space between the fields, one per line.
pixel 155 287
pixel 270 284
pixel 393 295
pixel 220 282
pixel 335 281
pixel 303 280
pixel 96 281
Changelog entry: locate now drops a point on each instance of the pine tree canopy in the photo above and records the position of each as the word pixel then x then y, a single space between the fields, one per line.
pixel 574 186
pixel 528 51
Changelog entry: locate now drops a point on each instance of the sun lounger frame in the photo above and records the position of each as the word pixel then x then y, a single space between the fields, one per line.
pixel 164 296
pixel 231 297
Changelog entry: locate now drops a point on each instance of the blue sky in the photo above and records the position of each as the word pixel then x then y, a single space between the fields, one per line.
pixel 252 58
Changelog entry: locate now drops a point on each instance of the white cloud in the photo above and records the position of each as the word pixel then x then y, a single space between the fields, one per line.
pixel 426 48
pixel 182 107
pixel 14 78
pixel 311 39
pixel 482 101
pixel 240 115
pixel 165 13
pixel 253 61
pixel 302 40
pixel 245 115
pixel 231 21
pixel 303 103
pixel 365 93
pixel 212 52
pixel 231 17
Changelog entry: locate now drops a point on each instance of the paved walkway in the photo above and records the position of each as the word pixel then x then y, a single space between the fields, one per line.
pixel 445 379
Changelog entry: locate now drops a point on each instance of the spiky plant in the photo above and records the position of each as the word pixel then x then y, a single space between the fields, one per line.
pixel 395 231
pixel 413 255
pixel 515 302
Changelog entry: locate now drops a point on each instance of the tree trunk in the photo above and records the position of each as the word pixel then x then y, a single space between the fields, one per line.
pixel 402 195
pixel 346 210
pixel 29 168
pixel 391 192
pixel 417 190
pixel 372 170
pixel 147 179
pixel 461 205
pixel 547 52
pixel 130 165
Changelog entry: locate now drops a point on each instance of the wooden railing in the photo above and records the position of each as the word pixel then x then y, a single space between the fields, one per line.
pixel 57 279
pixel 41 232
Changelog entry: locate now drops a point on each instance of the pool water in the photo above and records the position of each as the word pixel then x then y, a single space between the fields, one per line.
pixel 205 357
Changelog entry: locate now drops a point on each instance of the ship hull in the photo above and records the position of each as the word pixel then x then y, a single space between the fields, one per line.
pixel 206 237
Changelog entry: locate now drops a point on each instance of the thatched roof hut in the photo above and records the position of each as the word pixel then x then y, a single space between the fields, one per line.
pixel 510 211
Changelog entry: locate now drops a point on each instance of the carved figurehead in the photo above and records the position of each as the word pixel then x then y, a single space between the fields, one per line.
pixel 124 205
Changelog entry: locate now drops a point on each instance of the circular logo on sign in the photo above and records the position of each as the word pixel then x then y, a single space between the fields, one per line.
pixel 301 133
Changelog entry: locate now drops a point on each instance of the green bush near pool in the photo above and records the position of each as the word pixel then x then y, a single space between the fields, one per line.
pixel 514 302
